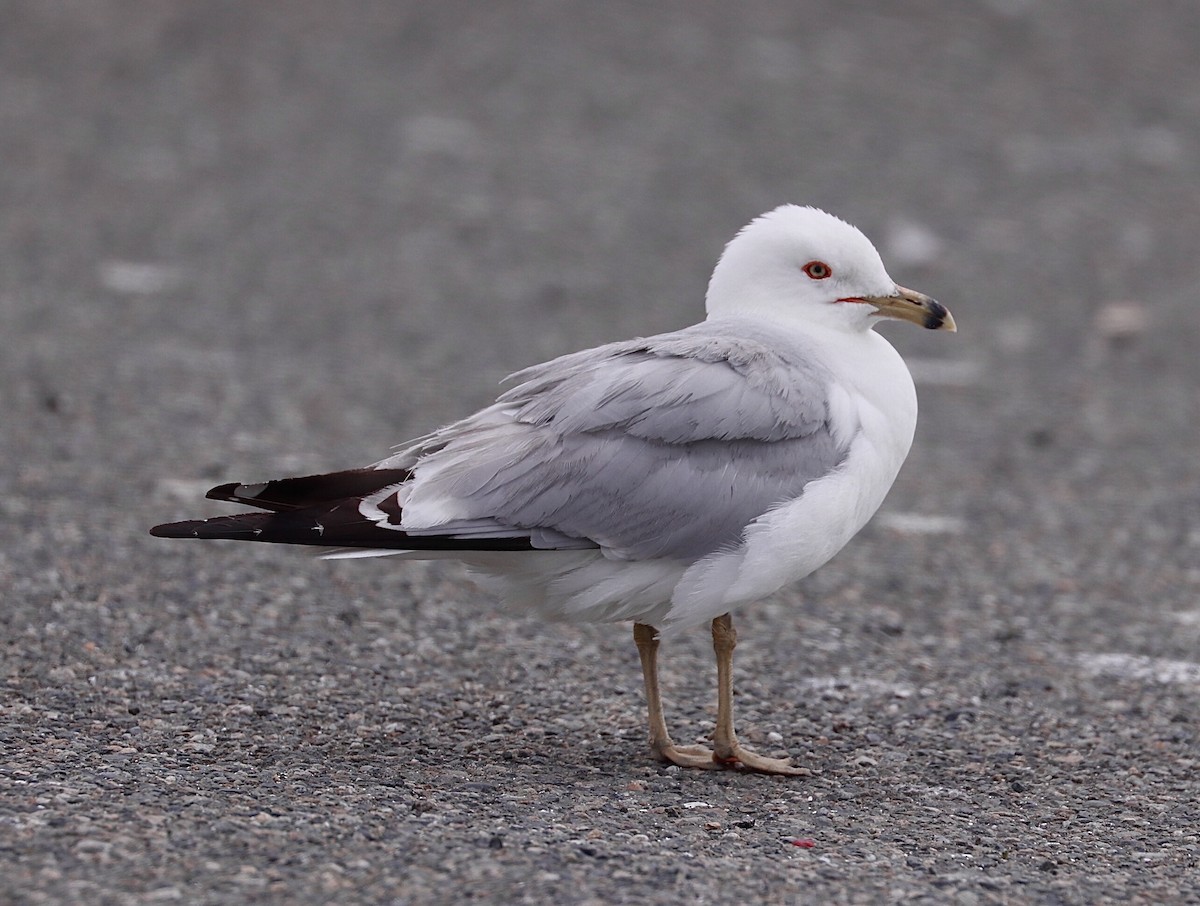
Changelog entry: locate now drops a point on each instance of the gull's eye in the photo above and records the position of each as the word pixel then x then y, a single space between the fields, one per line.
pixel 818 270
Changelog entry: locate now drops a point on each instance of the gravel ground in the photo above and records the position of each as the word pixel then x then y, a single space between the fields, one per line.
pixel 237 242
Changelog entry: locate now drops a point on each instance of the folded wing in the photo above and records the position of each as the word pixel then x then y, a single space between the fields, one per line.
pixel 663 447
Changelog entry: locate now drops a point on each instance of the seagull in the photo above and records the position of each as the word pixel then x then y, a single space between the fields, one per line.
pixel 664 480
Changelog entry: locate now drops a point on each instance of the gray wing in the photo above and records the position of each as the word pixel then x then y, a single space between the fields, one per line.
pixel 662 447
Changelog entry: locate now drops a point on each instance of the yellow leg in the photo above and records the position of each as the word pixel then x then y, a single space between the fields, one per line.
pixel 728 751
pixel 661 745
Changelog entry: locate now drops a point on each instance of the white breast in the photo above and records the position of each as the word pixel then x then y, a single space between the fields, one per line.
pixel 874 403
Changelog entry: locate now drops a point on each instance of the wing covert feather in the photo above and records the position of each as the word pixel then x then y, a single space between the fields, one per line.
pixel 662 447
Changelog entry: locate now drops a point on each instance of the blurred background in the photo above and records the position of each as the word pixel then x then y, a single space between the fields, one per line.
pixel 244 240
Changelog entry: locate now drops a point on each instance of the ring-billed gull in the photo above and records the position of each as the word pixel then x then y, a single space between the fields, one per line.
pixel 663 480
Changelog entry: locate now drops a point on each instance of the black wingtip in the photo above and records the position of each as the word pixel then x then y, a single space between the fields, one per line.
pixel 284 494
pixel 242 527
pixel 177 529
pixel 224 492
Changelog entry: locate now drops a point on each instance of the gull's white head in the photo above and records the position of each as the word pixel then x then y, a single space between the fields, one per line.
pixel 801 265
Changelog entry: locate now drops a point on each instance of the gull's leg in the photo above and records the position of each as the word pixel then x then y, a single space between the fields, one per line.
pixel 728 750
pixel 646 639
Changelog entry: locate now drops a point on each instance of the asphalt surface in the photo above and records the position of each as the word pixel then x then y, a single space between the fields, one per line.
pixel 238 242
